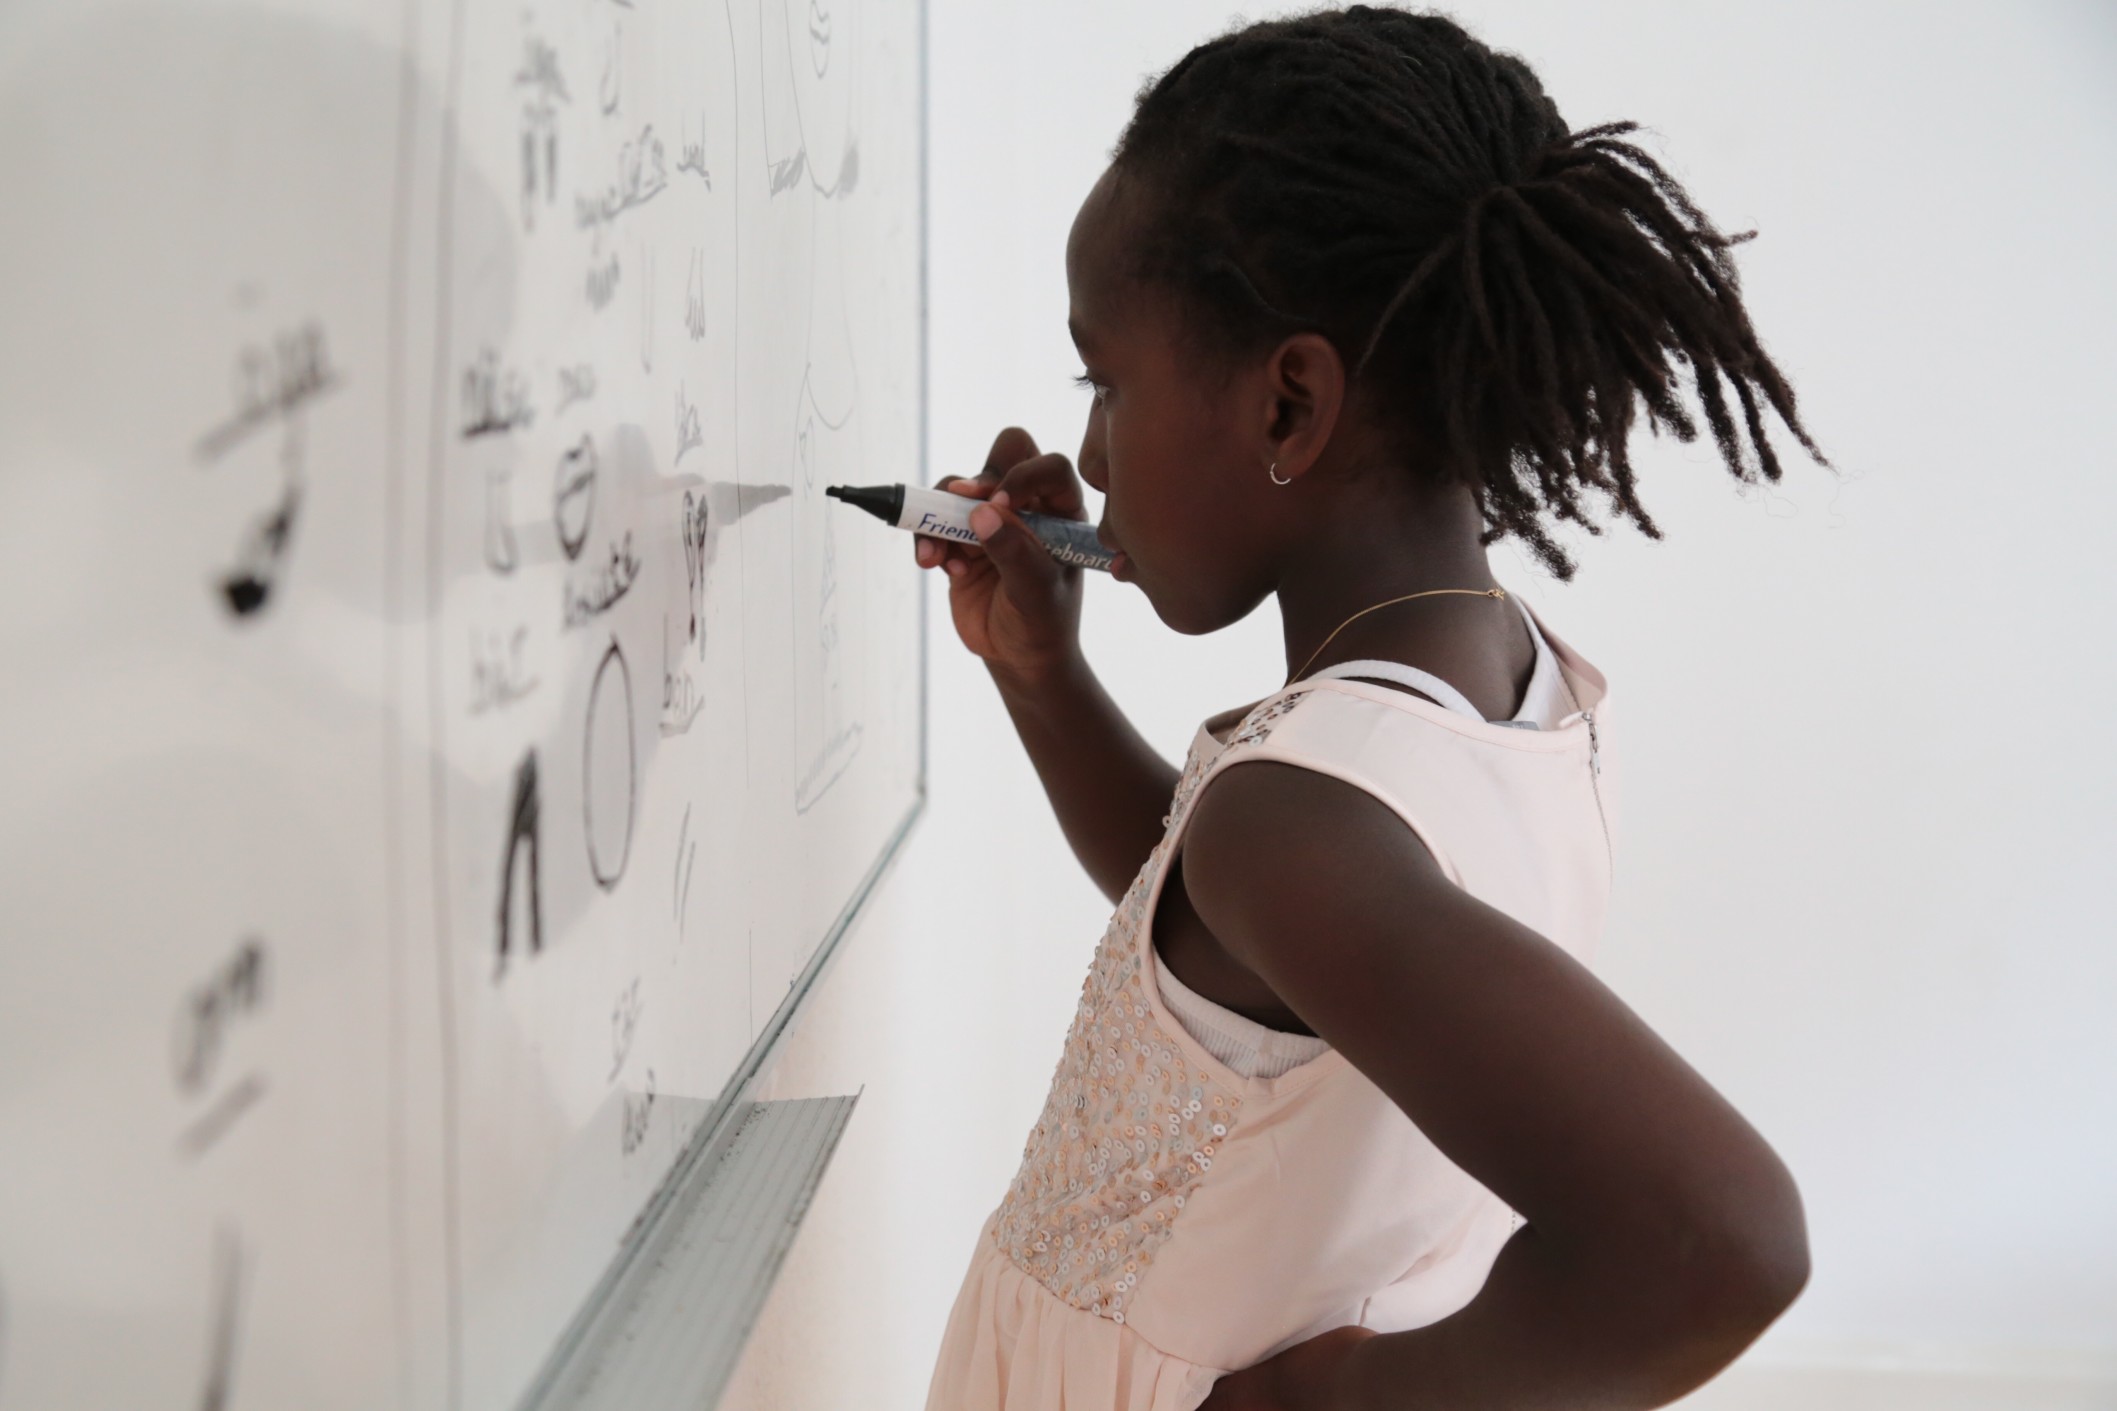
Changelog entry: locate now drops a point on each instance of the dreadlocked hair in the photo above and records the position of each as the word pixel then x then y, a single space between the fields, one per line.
pixel 1504 285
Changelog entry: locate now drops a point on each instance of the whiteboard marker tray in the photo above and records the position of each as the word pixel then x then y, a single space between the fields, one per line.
pixel 673 1328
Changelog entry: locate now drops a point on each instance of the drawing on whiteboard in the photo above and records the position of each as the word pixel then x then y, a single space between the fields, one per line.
pixel 247 587
pixel 689 433
pixel 524 825
pixel 602 282
pixel 822 732
pixel 609 769
pixel 809 57
pixel 808 129
pixel 573 495
pixel 642 175
pixel 501 554
pixel 819 36
pixel 691 156
pixel 686 865
pixel 786 174
pixel 695 296
pixel 498 677
pixel 271 384
pixel 609 87
pixel 624 1023
pixel 212 1124
pixel 638 1108
pixel 589 598
pixel 495 398
pixel 237 988
pixel 576 384
pixel 697 532
pixel 546 87
pixel 681 698
pixel 227 1307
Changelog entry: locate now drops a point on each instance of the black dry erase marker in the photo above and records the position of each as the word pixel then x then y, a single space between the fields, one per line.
pixel 945 516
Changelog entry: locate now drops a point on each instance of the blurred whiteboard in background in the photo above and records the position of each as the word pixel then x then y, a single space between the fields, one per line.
pixel 443 716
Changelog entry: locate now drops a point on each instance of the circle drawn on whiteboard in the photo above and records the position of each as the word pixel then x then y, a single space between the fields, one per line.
pixel 609 769
pixel 573 495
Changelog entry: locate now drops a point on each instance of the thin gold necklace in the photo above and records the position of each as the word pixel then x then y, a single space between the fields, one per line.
pixel 1474 592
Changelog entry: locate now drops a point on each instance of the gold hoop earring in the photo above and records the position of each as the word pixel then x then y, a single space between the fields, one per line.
pixel 1274 473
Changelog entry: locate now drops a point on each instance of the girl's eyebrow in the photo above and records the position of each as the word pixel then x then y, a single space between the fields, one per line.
pixel 1080 339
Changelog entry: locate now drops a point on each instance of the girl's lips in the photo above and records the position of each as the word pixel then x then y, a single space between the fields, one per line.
pixel 1120 566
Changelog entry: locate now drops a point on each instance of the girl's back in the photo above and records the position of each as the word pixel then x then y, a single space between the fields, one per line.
pixel 1172 1219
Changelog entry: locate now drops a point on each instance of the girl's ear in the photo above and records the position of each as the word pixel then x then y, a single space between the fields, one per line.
pixel 1304 382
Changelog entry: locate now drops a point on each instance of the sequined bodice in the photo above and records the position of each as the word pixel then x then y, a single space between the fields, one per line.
pixel 1131 1125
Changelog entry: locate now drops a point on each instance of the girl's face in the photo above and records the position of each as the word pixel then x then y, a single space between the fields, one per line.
pixel 1165 445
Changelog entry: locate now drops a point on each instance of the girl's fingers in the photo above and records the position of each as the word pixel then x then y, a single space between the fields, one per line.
pixel 1046 483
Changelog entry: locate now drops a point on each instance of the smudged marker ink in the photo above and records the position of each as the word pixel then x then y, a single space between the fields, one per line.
pixel 945 516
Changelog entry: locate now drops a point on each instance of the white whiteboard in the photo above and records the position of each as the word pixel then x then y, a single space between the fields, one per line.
pixel 443 715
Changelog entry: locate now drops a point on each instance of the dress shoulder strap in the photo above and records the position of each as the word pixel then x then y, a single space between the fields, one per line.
pixel 1410 676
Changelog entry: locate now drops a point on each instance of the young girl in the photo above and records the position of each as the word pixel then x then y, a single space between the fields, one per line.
pixel 1354 303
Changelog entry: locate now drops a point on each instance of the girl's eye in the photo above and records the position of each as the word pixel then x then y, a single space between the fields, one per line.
pixel 1084 380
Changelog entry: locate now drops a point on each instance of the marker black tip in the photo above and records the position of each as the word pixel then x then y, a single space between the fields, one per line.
pixel 884 502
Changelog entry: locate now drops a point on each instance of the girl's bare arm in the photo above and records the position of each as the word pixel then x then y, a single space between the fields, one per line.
pixel 1664 1235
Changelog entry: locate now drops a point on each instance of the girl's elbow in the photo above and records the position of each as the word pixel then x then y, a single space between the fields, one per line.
pixel 1782 1270
pixel 1762 1260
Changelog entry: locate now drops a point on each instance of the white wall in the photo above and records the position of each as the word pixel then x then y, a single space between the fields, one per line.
pixel 1869 780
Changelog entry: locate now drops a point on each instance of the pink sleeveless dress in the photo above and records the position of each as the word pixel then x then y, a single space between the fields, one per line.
pixel 1174 1220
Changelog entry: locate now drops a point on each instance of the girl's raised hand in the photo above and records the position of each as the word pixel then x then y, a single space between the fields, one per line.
pixel 1014 605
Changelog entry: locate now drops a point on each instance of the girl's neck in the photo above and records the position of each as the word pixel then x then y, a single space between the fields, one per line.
pixel 1356 560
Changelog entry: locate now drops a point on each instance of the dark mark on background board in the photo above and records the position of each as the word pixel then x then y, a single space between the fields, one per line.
pixel 696 525
pixel 586 601
pixel 639 1108
pixel 624 1023
pixel 609 769
pixel 498 676
pixel 602 282
pixel 501 552
pixel 576 384
pixel 524 825
pixel 686 865
pixel 247 587
pixel 546 87
pixel 690 434
pixel 495 398
pixel 227 1306
pixel 695 297
pixel 214 1122
pixel 271 384
pixel 681 698
pixel 611 85
pixel 237 987
pixel 573 495
pixel 642 175
pixel 691 156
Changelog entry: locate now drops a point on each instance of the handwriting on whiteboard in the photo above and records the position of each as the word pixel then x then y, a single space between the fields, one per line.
pixel 272 381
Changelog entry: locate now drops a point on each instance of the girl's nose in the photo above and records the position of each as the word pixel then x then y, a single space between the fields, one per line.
pixel 1090 464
